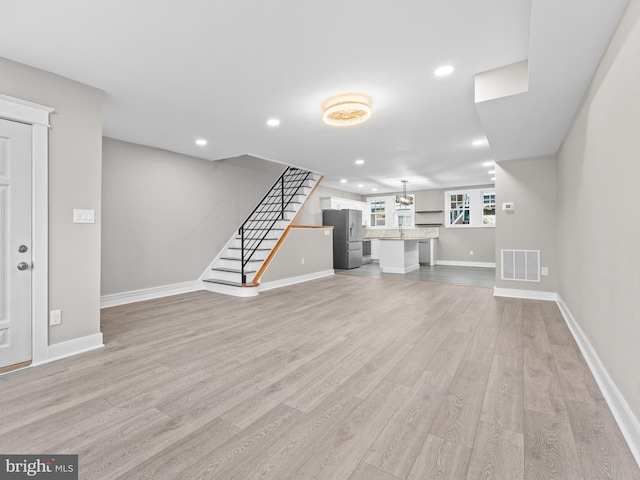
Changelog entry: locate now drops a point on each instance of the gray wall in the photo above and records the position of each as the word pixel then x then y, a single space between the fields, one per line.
pixel 75 158
pixel 598 228
pixel 531 185
pixel 454 244
pixel 312 244
pixel 311 214
pixel 166 216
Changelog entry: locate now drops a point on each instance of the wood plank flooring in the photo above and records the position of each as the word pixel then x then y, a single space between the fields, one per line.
pixel 344 377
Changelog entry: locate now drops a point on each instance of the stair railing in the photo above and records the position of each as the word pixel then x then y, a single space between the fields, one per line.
pixel 271 208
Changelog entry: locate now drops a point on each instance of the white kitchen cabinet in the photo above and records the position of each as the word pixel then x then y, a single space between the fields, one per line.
pixel 338 203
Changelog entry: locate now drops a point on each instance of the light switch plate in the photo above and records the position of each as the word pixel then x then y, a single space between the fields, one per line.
pixel 84 216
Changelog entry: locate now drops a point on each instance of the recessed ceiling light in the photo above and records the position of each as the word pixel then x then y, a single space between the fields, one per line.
pixel 479 142
pixel 491 172
pixel 359 161
pixel 346 110
pixel 344 180
pixel 490 163
pixel 360 185
pixel 201 142
pixel 374 189
pixel 444 70
pixel 493 178
pixel 273 122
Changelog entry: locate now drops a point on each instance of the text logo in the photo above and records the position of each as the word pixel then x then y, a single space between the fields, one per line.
pixel 50 467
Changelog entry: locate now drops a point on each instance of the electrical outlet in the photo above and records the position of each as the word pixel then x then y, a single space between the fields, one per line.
pixel 303 261
pixel 544 271
pixel 55 317
pixel 470 252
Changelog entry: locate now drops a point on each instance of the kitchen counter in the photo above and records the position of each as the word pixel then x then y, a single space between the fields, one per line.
pixel 402 238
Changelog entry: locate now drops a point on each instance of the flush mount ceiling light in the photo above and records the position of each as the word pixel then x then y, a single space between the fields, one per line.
pixel 201 142
pixel 359 161
pixel 273 122
pixel 346 110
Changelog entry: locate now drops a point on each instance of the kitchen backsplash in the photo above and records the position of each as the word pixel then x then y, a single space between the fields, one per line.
pixel 408 233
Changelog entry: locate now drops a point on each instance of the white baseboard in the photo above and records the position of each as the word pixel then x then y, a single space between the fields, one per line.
pixel 401 270
pixel 230 290
pixel 293 280
pixel 148 294
pixel 528 294
pixel 61 350
pixel 452 263
pixel 627 422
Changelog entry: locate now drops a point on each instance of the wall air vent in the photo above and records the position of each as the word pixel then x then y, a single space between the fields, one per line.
pixel 521 265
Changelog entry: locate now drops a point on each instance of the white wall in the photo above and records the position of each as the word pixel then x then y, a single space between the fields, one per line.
pixel 166 216
pixel 454 244
pixel 75 166
pixel 531 185
pixel 598 225
pixel 313 245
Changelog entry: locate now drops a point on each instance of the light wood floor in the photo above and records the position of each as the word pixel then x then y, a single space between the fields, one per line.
pixel 339 378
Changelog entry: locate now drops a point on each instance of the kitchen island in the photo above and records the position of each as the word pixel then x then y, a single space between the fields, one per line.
pixel 399 255
pixel 397 249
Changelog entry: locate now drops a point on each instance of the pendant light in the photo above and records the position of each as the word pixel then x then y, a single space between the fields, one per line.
pixel 403 199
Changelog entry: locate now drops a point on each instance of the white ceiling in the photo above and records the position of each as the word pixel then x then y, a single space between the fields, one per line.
pixel 173 72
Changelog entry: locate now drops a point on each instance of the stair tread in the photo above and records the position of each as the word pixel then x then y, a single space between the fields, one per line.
pixel 238 259
pixel 232 284
pixel 232 270
pixel 255 249
pixel 263 229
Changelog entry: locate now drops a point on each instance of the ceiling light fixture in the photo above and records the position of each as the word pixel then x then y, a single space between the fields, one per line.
pixel 403 199
pixel 444 70
pixel 493 178
pixel 374 189
pixel 359 161
pixel 201 142
pixel 360 185
pixel 344 180
pixel 490 163
pixel 273 122
pixel 491 172
pixel 346 110
pixel 479 142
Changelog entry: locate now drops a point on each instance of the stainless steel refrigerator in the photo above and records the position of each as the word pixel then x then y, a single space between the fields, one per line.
pixel 347 237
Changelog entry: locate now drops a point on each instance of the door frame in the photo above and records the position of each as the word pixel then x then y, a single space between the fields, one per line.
pixel 37 116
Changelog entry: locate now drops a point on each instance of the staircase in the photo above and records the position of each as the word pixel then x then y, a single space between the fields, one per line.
pixel 241 263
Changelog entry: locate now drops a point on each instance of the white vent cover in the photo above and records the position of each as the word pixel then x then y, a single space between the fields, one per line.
pixel 521 265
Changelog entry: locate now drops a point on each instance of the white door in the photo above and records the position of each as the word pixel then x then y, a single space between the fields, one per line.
pixel 15 243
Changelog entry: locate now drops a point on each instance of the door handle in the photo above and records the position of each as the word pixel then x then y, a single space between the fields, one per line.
pixel 23 266
pixel 23 248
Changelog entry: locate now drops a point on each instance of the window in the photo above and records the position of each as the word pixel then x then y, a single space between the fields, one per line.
pixel 384 212
pixel 470 208
pixel 378 213
pixel 404 215
pixel 460 211
pixel 489 208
